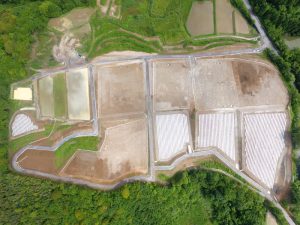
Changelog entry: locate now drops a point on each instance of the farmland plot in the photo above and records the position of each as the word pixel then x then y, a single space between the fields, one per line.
pixel 201 19
pixel 172 84
pixel 264 142
pixel 121 89
pixel 217 130
pixel 78 94
pixel 46 99
pixel 224 12
pixel 173 135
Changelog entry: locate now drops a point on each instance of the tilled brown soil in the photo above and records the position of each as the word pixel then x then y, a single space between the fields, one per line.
pixel 38 160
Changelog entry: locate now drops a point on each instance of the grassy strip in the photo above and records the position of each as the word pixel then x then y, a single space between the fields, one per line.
pixel 159 7
pixel 203 42
pixel 64 152
pixel 60 96
pixel 215 16
pixel 213 164
pixel 233 23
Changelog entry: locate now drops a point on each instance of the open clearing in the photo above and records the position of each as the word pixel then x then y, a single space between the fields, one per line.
pixel 172 84
pixel 224 12
pixel 124 152
pixel 264 142
pixel 121 89
pixel 201 18
pixel 78 94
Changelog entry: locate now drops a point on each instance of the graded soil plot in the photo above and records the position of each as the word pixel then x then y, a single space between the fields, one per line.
pixel 38 160
pixel 124 153
pixel 217 130
pixel 121 89
pixel 60 96
pixel 215 86
pixel 201 18
pixel 241 25
pixel 173 135
pixel 78 94
pixel 259 84
pixel 264 142
pixel 45 97
pixel 172 84
pixel 224 12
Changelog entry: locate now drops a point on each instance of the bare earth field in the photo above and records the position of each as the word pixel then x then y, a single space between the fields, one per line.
pixel 124 152
pixel 121 89
pixel 171 84
pixel 224 12
pixel 201 19
pixel 43 161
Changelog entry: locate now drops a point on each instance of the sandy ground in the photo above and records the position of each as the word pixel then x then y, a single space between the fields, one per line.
pixel 121 89
pixel 45 96
pixel 201 20
pixel 241 24
pixel 124 152
pixel 224 16
pixel 78 94
pixel 171 84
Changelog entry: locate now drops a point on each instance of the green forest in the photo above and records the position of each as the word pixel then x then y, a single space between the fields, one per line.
pixel 194 197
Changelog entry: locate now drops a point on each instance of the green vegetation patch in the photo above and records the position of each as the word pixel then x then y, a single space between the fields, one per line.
pixel 103 2
pixel 41 54
pixel 60 95
pixel 159 7
pixel 64 152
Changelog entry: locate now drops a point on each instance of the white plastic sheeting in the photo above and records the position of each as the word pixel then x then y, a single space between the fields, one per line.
pixel 217 130
pixel 264 143
pixel 172 135
pixel 22 124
